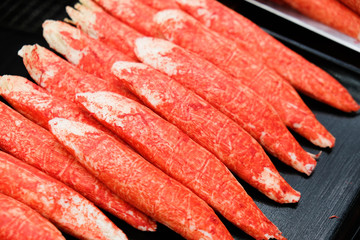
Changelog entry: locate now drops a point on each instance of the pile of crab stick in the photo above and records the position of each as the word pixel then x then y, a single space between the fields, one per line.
pixel 155 109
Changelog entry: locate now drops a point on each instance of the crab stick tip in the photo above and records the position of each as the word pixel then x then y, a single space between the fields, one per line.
pixel 309 169
pixel 78 15
pixel 61 37
pixel 53 37
pixel 324 141
pixel 73 13
pixel 22 51
pixel 9 83
pixel 292 197
pixel 27 49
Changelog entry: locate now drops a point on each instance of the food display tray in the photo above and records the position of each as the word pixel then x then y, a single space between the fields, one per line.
pixel 330 204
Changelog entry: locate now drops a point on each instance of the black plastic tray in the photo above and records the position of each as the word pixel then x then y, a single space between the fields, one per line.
pixel 334 187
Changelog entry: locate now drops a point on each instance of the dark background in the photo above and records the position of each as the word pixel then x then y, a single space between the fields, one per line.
pixel 334 187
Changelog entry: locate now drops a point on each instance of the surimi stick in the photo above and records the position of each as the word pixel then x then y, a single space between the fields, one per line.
pixel 202 122
pixel 59 77
pixel 236 101
pixel 185 31
pixel 69 210
pixel 352 4
pixel 139 182
pixel 132 12
pixel 88 54
pixel 98 24
pixel 303 75
pixel 33 144
pixel 38 105
pixel 168 148
pixel 335 14
pixel 20 222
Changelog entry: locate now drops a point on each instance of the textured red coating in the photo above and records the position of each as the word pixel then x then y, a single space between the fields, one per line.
pixel 59 77
pixel 183 30
pixel 40 106
pixel 98 24
pixel 303 75
pixel 171 150
pixel 235 100
pixel 329 12
pixel 139 182
pixel 20 222
pixel 37 104
pixel 210 128
pixel 353 5
pixel 33 144
pixel 86 53
pixel 160 4
pixel 66 208
pixel 132 12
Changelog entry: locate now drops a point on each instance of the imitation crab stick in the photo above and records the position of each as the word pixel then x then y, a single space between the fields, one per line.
pixel 98 24
pixel 235 100
pixel 38 105
pixel 33 144
pixel 20 222
pixel 303 75
pixel 59 77
pixel 352 4
pixel 86 53
pixel 183 30
pixel 131 12
pixel 139 182
pixel 335 14
pixel 66 208
pixel 168 148
pixel 202 122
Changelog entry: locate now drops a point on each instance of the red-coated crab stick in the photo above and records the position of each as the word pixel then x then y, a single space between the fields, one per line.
pixel 235 100
pixel 20 222
pixel 98 24
pixel 303 75
pixel 183 30
pixel 59 77
pixel 170 149
pixel 33 144
pixel 335 14
pixel 40 106
pixel 66 208
pixel 209 127
pixel 139 182
pixel 86 53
